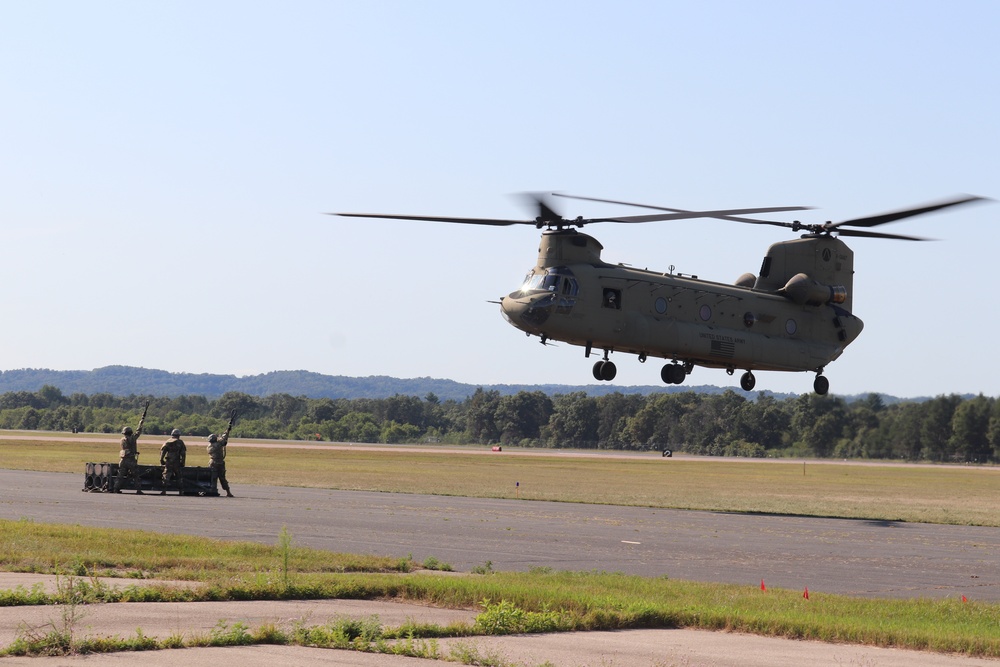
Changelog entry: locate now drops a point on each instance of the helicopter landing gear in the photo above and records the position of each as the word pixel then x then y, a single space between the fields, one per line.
pixel 673 374
pixel 821 385
pixel 747 381
pixel 605 371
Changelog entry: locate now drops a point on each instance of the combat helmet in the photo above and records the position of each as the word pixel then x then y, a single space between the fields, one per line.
pixel 127 430
pixel 213 438
pixel 176 433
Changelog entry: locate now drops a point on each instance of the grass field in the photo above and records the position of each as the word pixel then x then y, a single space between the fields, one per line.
pixel 924 493
pixel 507 602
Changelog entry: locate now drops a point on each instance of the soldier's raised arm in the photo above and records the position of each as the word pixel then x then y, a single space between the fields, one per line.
pixel 142 419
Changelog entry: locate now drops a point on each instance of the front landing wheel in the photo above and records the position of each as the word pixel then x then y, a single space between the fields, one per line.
pixel 605 371
pixel 821 385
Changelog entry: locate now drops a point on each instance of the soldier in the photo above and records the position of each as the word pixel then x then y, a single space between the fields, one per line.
pixel 129 455
pixel 217 457
pixel 173 453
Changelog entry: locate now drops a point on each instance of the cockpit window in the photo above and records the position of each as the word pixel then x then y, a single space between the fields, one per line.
pixel 557 280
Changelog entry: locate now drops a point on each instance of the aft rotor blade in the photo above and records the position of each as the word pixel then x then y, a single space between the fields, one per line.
pixel 892 216
pixel 684 215
pixel 465 221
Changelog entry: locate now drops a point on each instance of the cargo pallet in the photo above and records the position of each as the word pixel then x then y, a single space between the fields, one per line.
pixel 100 478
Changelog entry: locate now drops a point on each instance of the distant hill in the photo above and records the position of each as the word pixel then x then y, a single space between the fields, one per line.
pixel 129 380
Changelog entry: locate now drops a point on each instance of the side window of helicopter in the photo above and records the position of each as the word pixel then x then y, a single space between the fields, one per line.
pixel 612 298
pixel 567 290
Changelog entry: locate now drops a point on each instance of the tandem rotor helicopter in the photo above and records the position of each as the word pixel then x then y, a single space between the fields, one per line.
pixel 794 315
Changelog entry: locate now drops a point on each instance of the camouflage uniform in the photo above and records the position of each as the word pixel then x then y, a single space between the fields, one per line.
pixel 129 456
pixel 217 458
pixel 173 453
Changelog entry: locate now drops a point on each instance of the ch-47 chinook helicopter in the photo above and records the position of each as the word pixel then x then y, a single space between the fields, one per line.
pixel 794 315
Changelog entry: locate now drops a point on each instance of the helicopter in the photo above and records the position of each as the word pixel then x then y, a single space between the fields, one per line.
pixel 794 315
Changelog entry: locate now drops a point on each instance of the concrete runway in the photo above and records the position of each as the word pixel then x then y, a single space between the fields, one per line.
pixel 851 557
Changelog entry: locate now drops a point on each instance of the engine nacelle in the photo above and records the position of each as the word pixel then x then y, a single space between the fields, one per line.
pixel 803 290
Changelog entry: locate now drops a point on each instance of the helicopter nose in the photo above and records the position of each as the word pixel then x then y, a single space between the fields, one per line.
pixel 527 313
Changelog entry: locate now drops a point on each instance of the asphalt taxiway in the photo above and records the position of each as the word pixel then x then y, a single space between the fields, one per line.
pixel 850 557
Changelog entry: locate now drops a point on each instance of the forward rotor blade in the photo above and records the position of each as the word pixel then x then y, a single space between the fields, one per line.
pixel 879 235
pixel 464 221
pixel 536 201
pixel 743 211
pixel 727 214
pixel 892 216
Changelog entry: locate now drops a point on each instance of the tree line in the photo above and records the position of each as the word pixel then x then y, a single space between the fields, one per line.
pixel 945 428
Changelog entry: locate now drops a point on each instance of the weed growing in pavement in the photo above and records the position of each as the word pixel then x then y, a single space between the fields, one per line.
pixel 485 568
pixel 57 636
pixel 432 563
pixel 285 551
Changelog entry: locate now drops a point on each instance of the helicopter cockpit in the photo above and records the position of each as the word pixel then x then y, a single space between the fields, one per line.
pixel 545 291
pixel 555 280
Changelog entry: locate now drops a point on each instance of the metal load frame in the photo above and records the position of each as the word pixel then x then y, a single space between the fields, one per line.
pixel 100 478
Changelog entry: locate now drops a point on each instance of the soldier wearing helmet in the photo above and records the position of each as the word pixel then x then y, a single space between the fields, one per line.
pixel 129 455
pixel 217 459
pixel 173 454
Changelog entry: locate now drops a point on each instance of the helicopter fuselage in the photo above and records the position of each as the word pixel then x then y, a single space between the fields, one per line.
pixel 782 320
pixel 795 314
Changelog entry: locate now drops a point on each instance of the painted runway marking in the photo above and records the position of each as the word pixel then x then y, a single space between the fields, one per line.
pixel 630 542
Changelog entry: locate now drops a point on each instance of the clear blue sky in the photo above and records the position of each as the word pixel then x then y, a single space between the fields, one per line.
pixel 166 166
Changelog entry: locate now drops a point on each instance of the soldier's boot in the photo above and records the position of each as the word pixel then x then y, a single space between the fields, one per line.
pixel 229 494
pixel 139 492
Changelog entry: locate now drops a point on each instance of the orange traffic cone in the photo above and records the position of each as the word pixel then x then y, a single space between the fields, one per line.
pixel 762 586
pixel 806 593
pixel 965 599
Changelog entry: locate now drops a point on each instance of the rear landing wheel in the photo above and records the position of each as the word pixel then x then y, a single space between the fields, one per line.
pixel 747 381
pixel 673 374
pixel 821 385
